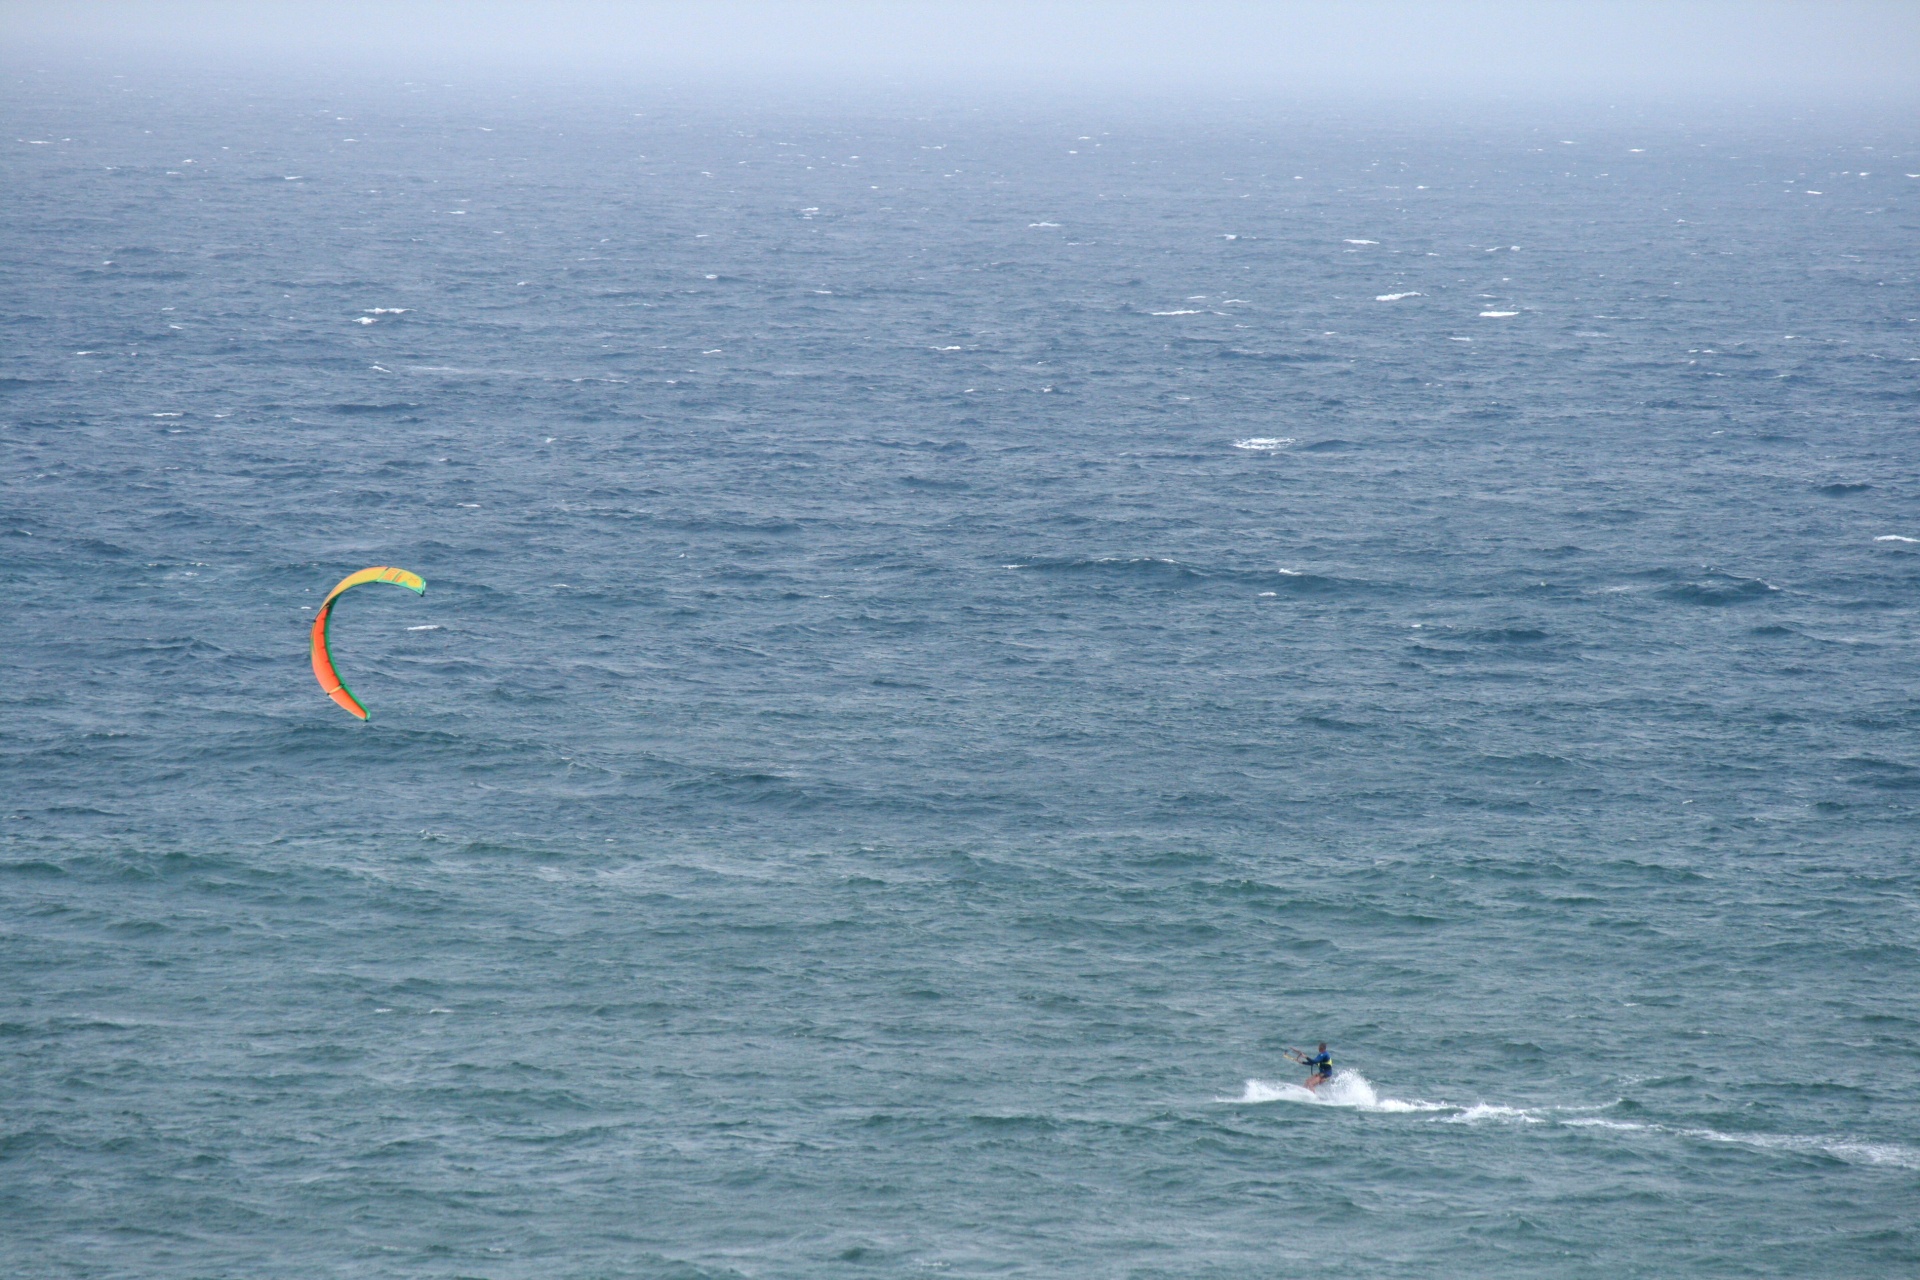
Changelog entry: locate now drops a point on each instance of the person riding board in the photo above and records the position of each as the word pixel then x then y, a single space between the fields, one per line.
pixel 1319 1065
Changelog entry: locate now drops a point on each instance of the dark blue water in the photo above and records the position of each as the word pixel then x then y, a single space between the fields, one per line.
pixel 954 635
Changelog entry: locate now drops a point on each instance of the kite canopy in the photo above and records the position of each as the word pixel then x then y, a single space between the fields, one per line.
pixel 323 669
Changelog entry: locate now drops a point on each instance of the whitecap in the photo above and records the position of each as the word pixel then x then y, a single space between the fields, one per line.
pixel 1499 314
pixel 431 626
pixel 1032 225
pixel 1395 297
pixel 1174 313
pixel 1263 443
pixel 1895 537
pixel 1363 242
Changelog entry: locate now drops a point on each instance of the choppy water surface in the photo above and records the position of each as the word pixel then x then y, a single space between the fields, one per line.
pixel 953 638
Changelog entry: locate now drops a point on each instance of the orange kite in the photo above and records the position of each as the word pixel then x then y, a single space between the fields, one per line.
pixel 323 670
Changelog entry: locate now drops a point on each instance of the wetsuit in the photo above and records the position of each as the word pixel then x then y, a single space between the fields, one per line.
pixel 1321 1065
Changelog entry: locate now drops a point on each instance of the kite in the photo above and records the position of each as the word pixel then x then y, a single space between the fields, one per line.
pixel 323 660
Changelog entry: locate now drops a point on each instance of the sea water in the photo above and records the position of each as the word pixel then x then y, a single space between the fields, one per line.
pixel 956 634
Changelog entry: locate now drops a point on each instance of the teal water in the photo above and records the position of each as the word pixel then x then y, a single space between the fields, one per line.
pixel 954 637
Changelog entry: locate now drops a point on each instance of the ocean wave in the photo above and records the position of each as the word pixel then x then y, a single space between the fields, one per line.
pixel 1484 1111
pixel 1850 1150
pixel 1715 588
pixel 1164 571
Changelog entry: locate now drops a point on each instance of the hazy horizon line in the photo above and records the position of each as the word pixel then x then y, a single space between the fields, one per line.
pixel 1773 51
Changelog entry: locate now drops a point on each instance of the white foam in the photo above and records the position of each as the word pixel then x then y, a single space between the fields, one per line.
pixel 1889 537
pixel 1499 313
pixel 1363 242
pixel 1173 313
pixel 1851 1150
pixel 431 626
pixel 1480 1111
pixel 1350 1089
pixel 1395 297
pixel 1347 1089
pixel 1262 1091
pixel 363 320
pixel 1032 225
pixel 1263 444
pixel 387 311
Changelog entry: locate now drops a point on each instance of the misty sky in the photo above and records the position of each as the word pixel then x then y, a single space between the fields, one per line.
pixel 1857 49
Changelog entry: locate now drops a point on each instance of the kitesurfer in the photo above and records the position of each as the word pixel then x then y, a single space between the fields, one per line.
pixel 1319 1065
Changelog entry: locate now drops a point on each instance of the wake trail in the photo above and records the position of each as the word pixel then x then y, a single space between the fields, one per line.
pixel 1354 1092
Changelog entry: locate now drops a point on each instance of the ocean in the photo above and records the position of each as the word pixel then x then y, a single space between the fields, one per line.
pixel 956 633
